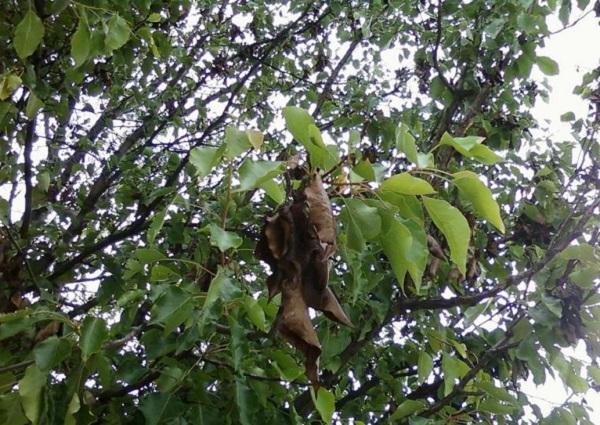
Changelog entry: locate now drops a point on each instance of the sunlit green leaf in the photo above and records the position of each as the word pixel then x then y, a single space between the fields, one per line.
pixel 547 65
pixel 30 389
pixel 454 227
pixel 255 173
pixel 286 365
pixel 407 184
pixel 324 402
pixel 405 143
pixel 480 197
pixel 8 84
pixel 204 159
pixel 237 142
pixel 28 34
pixel 117 35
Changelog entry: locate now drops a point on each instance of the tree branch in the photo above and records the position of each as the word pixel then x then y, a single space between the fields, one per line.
pixel 27 174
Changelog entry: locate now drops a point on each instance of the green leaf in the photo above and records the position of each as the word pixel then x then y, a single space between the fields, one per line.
pixel 204 159
pixel 43 181
pixel 117 35
pixel 237 142
pixel 81 44
pixel 28 34
pixel 425 160
pixel 256 138
pixel 273 191
pixel 396 241
pixel 407 408
pixel 298 121
pixel 154 17
pixel 214 290
pixel 156 225
pixel 161 272
pixel 418 255
pixel 30 390
pixel 172 308
pixel 547 65
pixel 405 143
pixel 567 116
pixel 406 184
pixel 255 313
pixel 93 334
pixel 365 216
pixel 148 255
pixel 223 239
pixel 461 144
pixel 454 227
pixel 424 365
pixel 408 206
pixel 147 36
pixel 485 155
pixel 34 104
pixel 170 378
pixel 324 403
pixel 51 352
pixel 493 406
pixel 220 287
pixel 471 147
pixel 594 372
pixel 254 173
pixel 8 84
pixel 303 128
pixel 11 412
pixel 453 368
pixel 72 409
pixel 159 408
pixel 496 392
pixel 476 192
pixel 578 384
pixel 363 223
pixel 404 243
pixel 286 365
pixel 365 170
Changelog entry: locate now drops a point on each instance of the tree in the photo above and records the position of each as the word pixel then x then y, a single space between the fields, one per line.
pixel 145 142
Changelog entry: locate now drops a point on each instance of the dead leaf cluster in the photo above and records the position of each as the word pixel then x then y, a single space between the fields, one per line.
pixel 297 242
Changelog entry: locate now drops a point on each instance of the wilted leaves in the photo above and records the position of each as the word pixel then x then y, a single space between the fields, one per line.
pixel 297 243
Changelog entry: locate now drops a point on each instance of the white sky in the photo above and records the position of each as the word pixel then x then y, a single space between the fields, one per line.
pixel 577 51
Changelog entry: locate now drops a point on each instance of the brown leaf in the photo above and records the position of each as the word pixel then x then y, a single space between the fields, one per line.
pixel 47 331
pixel 435 248
pixel 297 244
pixel 320 214
pixel 295 326
pixel 278 232
pixel 326 302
